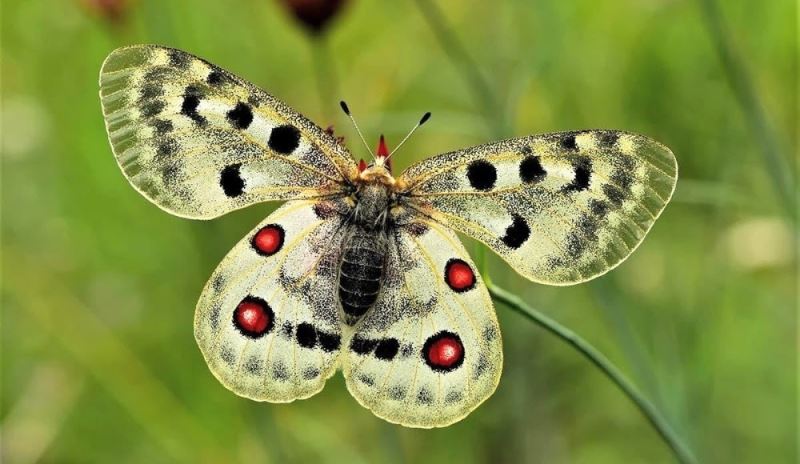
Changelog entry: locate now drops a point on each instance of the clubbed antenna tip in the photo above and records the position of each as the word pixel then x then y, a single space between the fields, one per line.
pixel 344 107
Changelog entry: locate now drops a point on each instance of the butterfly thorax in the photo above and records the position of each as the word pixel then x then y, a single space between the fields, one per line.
pixel 362 264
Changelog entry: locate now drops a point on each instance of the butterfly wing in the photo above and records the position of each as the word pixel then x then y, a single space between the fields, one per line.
pixel 199 142
pixel 267 321
pixel 560 208
pixel 429 351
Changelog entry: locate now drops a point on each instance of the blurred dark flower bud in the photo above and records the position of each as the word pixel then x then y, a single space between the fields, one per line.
pixel 314 15
pixel 113 11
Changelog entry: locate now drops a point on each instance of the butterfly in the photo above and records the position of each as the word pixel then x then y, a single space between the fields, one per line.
pixel 360 270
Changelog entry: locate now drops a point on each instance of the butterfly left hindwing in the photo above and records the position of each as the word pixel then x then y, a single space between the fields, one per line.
pixel 267 321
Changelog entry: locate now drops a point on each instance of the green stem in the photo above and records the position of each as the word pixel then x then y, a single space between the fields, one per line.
pixel 458 55
pixel 681 451
pixel 325 75
pixel 745 92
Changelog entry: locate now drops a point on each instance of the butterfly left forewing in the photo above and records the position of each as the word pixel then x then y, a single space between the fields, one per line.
pixel 199 142
pixel 429 351
pixel 267 321
pixel 560 208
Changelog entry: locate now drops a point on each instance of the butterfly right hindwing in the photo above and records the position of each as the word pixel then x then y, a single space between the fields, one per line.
pixel 267 321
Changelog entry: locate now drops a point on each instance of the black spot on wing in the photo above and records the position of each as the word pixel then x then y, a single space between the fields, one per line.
pixel 361 345
pixel 453 397
pixel 170 174
pixel 152 108
pixel 588 225
pixel 213 317
pixel 482 175
pixel 583 176
pixel 306 335
pixel 622 175
pixel 568 141
pixel 240 116
pixel 480 367
pixel 280 372
pixel 608 139
pixel 397 392
pixel 227 356
pixel 329 342
pixel 517 233
pixel 387 349
pixel 598 207
pixel 191 100
pixel 253 366
pixel 150 90
pixel 166 148
pixel 424 396
pixel 284 139
pixel 162 126
pixel 287 329
pixel 230 179
pixel 215 78
pixel 531 170
pixel 614 194
pixel 179 59
pixel 311 373
pixel 366 380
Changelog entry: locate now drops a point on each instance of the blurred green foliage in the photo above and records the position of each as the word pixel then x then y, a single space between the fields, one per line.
pixel 99 286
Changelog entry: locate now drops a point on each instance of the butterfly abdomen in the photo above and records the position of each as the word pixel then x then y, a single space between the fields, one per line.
pixel 361 272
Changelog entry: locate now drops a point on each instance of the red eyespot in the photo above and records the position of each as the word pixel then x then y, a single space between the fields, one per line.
pixel 268 240
pixel 443 351
pixel 458 275
pixel 253 317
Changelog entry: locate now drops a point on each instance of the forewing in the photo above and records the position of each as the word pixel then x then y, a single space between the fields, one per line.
pixel 199 142
pixel 267 321
pixel 403 362
pixel 560 208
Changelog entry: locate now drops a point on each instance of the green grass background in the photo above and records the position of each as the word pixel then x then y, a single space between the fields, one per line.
pixel 99 363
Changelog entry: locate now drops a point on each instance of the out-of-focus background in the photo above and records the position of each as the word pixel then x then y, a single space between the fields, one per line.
pixel 99 363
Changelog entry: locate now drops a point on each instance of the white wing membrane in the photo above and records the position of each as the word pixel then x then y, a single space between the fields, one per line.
pixel 560 208
pixel 267 321
pixel 200 142
pixel 427 354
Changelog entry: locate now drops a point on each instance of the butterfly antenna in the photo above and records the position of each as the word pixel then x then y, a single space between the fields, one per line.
pixel 347 112
pixel 422 121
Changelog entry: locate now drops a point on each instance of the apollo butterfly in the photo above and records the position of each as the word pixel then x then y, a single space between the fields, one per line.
pixel 360 270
